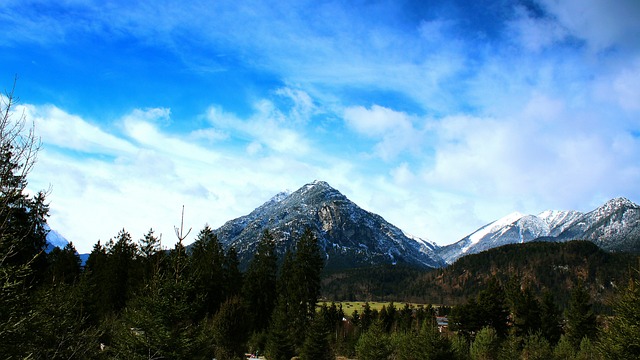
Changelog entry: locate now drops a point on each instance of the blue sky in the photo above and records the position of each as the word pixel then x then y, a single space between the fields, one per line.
pixel 439 116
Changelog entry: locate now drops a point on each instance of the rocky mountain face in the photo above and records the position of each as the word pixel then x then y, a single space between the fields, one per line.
pixel 348 235
pixel 614 226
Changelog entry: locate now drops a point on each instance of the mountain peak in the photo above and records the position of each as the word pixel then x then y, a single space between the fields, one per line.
pixel 348 235
pixel 620 202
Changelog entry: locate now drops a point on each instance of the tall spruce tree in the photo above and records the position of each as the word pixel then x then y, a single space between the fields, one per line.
pixel 305 286
pixel 206 267
pixel 581 320
pixel 64 265
pixel 260 283
pixel 621 338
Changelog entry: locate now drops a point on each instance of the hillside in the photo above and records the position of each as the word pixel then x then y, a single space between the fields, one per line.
pixel 556 267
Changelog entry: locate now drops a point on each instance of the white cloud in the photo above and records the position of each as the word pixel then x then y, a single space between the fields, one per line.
pixel 71 132
pixel 393 130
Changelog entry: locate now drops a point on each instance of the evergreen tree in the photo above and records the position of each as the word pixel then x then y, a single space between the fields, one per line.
pixel 485 346
pixel 526 313
pixel 233 278
pixel 304 287
pixel 316 345
pixel 122 275
pixel 621 338
pixel 160 321
pixel 550 318
pixel 230 329
pixel 64 265
pixel 151 255
pixel 260 284
pixel 206 268
pixel 374 344
pixel 280 344
pixel 536 347
pixel 581 320
pixel 564 350
pixel 366 319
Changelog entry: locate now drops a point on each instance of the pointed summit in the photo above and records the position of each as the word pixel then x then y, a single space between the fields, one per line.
pixel 349 236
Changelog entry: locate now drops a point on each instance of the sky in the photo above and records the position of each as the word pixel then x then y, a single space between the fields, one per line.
pixel 440 116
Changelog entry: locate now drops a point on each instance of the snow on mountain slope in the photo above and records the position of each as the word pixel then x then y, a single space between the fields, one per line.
pixel 614 226
pixel 349 236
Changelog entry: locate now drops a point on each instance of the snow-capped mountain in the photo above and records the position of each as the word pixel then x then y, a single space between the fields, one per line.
pixel 55 239
pixel 614 226
pixel 348 235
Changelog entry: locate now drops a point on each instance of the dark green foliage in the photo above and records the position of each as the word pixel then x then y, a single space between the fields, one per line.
pixel 69 335
pixel 536 347
pixel 230 329
pixel 259 290
pixel 280 345
pixel 316 345
pixel 581 321
pixel 303 288
pixel 488 310
pixel 427 344
pixel 64 265
pixel 159 322
pixel 374 344
pixel 525 310
pixel 550 318
pixel 621 338
pixel 207 271
pixel 485 345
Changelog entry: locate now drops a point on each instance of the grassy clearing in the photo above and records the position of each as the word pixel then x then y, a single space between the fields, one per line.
pixel 350 306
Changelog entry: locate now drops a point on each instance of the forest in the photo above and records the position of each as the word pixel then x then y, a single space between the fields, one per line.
pixel 135 300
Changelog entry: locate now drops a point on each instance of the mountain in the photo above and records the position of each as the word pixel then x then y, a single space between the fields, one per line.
pixel 614 226
pixel 55 239
pixel 348 235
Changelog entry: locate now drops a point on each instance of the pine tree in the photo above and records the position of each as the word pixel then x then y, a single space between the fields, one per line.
pixel 230 329
pixel 233 277
pixel 22 230
pixel 316 345
pixel 621 339
pixel 304 287
pixel 64 265
pixel 374 344
pixel 485 345
pixel 151 255
pixel 260 284
pixel 581 320
pixel 206 268
pixel 536 347
pixel 280 343
pixel 122 270
pixel 550 318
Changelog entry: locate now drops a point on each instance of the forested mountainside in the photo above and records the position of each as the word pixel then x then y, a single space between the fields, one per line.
pixel 556 267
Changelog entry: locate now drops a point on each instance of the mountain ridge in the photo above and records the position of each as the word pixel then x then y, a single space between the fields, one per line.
pixel 614 226
pixel 348 235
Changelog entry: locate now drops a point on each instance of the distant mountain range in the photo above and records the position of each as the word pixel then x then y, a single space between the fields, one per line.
pixel 352 237
pixel 614 226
